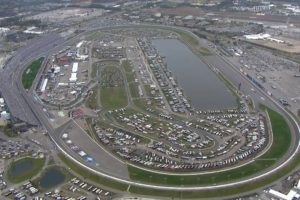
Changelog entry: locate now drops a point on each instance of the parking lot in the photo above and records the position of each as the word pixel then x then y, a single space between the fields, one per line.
pixel 270 72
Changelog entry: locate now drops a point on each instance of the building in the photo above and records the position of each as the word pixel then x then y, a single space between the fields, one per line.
pixel 290 196
pixel 5 115
pixel 73 77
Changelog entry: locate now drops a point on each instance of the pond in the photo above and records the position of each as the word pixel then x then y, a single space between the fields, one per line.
pixel 51 178
pixel 200 84
pixel 20 167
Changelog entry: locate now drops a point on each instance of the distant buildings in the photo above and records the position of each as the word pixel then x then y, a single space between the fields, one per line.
pixel 290 196
pixel 4 30
pixel 4 114
pixel 32 30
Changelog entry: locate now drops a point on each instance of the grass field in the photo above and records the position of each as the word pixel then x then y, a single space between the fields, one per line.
pixel 109 64
pixel 134 91
pixel 130 74
pixel 111 76
pixel 9 132
pixel 195 194
pixel 113 97
pixel 94 70
pixel 127 67
pixel 91 176
pixel 236 190
pixel 30 73
pixel 92 101
pixel 141 103
pixel 130 77
pixel 281 142
pixel 281 136
pixel 24 169
pixel 94 35
pixel 205 179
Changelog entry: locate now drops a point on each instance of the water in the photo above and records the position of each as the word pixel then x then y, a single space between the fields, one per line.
pixel 201 85
pixel 21 167
pixel 51 178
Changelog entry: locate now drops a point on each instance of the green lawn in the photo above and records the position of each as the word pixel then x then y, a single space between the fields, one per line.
pixel 9 132
pixel 91 176
pixel 281 136
pixel 92 101
pixel 30 73
pixel 205 179
pixel 111 76
pixel 130 77
pixel 204 51
pixel 95 69
pixel 281 142
pixel 130 74
pixel 127 66
pixel 24 169
pixel 97 66
pixel 113 97
pixel 94 35
pixel 236 190
pixel 195 194
pixel 141 103
pixel 134 91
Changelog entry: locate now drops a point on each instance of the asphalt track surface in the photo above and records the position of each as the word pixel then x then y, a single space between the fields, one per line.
pixel 10 75
pixel 103 161
pixel 229 72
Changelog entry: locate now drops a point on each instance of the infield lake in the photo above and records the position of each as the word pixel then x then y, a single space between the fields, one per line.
pixel 200 84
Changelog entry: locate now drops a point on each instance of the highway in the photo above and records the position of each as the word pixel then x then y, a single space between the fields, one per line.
pixel 26 109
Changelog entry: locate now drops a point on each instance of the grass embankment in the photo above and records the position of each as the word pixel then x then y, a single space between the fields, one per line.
pixel 187 37
pixel 236 190
pixel 30 73
pixel 91 176
pixel 24 169
pixel 193 42
pixel 228 84
pixel 281 136
pixel 281 143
